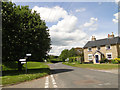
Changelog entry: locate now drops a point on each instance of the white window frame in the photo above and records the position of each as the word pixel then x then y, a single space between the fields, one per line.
pixel 107 48
pixel 89 50
pixel 107 56
pixel 90 55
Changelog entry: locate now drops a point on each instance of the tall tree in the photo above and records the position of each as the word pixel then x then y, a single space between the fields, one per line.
pixel 23 32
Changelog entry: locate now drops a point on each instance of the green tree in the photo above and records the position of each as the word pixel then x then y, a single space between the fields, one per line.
pixel 23 32
pixel 72 53
pixel 64 54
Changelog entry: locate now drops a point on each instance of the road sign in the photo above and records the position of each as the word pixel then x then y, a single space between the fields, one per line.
pixel 22 60
pixel 28 54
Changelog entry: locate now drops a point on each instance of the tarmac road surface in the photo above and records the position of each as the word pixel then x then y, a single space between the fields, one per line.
pixel 63 76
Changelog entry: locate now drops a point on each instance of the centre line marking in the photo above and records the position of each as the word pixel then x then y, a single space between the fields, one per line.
pixel 53 81
pixel 47 82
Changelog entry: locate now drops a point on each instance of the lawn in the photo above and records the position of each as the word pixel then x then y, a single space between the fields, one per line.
pixel 93 66
pixel 36 70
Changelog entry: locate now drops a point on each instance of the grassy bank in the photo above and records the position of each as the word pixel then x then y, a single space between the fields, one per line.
pixel 93 66
pixel 35 70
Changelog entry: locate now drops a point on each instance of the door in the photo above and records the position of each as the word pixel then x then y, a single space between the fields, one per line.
pixel 97 58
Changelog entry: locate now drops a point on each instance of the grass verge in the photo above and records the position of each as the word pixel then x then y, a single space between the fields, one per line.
pixel 93 66
pixel 35 70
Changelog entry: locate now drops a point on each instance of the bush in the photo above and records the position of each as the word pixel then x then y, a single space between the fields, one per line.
pixel 104 60
pixel 114 61
pixel 70 59
pixel 117 59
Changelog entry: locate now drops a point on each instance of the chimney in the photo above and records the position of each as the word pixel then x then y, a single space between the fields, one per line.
pixel 93 38
pixel 111 36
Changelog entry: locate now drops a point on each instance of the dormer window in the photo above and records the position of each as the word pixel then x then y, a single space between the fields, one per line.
pixel 89 49
pixel 108 47
pixel 98 48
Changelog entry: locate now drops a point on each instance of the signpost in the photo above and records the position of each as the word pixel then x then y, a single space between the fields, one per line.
pixel 28 54
pixel 23 61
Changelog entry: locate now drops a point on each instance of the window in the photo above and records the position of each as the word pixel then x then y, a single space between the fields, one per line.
pixel 109 56
pixel 108 47
pixel 90 56
pixel 89 49
pixel 98 48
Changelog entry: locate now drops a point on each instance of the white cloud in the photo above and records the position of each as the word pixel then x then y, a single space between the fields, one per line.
pixel 91 22
pixel 67 24
pixel 65 34
pixel 50 14
pixel 91 25
pixel 80 10
pixel 117 17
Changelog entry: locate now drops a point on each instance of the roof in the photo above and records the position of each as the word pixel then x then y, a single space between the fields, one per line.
pixel 78 48
pixel 102 42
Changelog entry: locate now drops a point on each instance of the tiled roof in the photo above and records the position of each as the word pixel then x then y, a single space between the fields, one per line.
pixel 102 42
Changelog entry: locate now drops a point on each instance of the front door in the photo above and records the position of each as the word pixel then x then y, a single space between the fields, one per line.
pixel 97 58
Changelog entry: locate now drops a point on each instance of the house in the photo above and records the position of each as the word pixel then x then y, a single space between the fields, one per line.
pixel 95 50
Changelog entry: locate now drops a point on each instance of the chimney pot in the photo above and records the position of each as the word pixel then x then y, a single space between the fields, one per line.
pixel 111 36
pixel 93 38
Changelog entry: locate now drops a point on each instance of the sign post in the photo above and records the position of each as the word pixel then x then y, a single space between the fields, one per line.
pixel 27 55
pixel 24 61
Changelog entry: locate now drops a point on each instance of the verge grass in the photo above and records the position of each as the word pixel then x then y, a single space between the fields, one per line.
pixel 93 66
pixel 35 70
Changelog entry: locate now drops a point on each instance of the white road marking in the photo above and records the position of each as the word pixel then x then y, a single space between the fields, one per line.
pixel 101 70
pixel 53 81
pixel 104 84
pixel 47 82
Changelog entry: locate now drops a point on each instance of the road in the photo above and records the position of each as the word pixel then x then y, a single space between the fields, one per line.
pixel 63 76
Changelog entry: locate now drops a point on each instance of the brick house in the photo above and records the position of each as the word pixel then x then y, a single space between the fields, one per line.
pixel 95 50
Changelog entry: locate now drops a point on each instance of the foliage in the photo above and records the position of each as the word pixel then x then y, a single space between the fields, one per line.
pixel 115 61
pixel 104 60
pixel 70 53
pixel 9 65
pixel 23 32
pixel 64 54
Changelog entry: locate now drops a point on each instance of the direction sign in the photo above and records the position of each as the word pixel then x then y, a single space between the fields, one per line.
pixel 23 62
pixel 28 54
pixel 22 59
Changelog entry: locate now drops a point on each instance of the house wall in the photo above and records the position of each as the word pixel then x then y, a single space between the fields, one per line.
pixel 113 50
pixel 119 50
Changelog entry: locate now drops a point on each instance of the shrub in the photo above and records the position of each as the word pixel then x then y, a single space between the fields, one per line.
pixel 70 60
pixel 117 59
pixel 114 61
pixel 104 60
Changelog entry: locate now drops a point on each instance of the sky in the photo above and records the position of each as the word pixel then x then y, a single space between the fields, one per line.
pixel 72 24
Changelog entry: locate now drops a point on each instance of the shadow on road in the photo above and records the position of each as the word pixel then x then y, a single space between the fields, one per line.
pixel 55 71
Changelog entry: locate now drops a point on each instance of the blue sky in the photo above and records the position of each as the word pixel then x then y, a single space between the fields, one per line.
pixel 72 24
